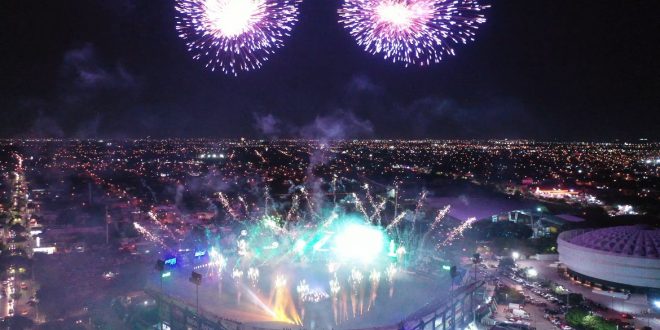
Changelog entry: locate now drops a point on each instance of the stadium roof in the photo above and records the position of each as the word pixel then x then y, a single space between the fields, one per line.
pixel 635 241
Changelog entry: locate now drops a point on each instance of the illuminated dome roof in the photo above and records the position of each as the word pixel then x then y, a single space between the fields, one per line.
pixel 635 241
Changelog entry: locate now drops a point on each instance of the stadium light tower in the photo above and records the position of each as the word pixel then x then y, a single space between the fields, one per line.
pixel 160 267
pixel 196 279
pixel 452 273
pixel 476 259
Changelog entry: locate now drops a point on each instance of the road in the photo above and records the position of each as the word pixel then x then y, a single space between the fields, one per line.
pixel 536 313
pixel 17 289
pixel 635 305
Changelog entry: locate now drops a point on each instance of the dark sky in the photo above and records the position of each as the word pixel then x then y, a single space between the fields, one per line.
pixel 543 69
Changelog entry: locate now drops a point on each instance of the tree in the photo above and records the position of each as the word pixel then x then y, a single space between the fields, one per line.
pixel 581 319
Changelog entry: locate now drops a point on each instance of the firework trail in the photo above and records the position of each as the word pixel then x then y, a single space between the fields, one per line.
pixel 334 189
pixel 253 276
pixel 245 205
pixel 396 220
pixel 355 280
pixel 390 272
pixel 378 210
pixel 268 200
pixel 367 192
pixel 237 275
pixel 150 236
pixel 360 207
pixel 272 223
pixel 412 32
pixel 441 215
pixel 377 207
pixel 372 202
pixel 280 281
pixel 438 218
pixel 457 232
pixel 303 290
pixel 235 35
pixel 418 206
pixel 261 157
pixel 225 203
pixel 374 278
pixel 242 247
pixel 333 267
pixel 218 262
pixel 333 216
pixel 310 204
pixel 334 291
pixel 282 302
pixel 293 211
pixel 334 287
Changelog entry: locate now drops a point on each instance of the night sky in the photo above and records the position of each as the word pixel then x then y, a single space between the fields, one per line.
pixel 542 69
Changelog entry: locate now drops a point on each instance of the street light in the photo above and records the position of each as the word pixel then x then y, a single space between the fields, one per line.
pixel 656 303
pixel 515 255
pixel 531 272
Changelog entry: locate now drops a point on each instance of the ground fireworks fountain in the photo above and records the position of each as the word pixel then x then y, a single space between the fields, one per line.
pixel 324 261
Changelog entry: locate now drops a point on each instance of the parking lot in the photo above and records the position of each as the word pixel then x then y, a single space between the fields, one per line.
pixel 542 307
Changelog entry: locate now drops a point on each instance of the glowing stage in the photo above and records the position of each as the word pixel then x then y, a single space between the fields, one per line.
pixel 342 273
pixel 354 306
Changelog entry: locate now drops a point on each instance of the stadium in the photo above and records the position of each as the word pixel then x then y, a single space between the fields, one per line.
pixel 342 273
pixel 624 258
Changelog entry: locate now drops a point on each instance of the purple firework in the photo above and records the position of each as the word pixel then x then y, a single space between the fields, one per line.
pixel 235 35
pixel 418 32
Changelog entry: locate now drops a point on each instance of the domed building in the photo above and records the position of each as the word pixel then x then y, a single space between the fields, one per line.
pixel 625 257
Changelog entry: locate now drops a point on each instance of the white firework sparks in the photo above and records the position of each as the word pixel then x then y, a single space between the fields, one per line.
pixel 417 32
pixel 235 35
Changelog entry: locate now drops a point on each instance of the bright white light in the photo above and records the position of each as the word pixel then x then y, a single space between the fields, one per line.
pixel 359 242
pixel 656 303
pixel 233 17
pixel 402 16
pixel 299 247
pixel 532 272
pixel 395 13
pixel 515 255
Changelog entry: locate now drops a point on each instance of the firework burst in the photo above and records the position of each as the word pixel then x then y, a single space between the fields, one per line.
pixel 253 275
pixel 334 286
pixel 235 35
pixel 417 32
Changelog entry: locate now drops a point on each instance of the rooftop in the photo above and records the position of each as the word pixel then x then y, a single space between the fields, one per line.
pixel 636 241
